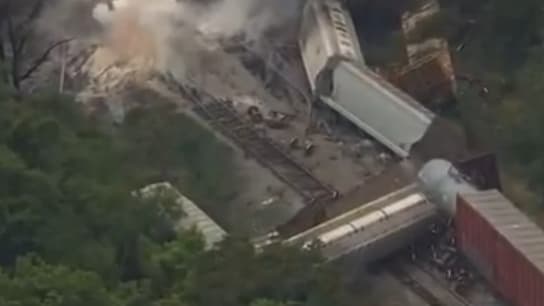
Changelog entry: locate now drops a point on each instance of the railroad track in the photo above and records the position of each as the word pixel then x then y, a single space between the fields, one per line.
pixel 224 117
pixel 410 275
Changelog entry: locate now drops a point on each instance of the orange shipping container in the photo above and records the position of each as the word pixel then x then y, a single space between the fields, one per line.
pixel 503 244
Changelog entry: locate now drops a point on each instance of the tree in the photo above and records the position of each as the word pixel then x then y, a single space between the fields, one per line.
pixel 64 194
pixel 265 302
pixel 523 121
pixel 174 300
pixel 176 148
pixel 175 261
pixel 492 36
pixel 235 275
pixel 22 197
pixel 17 30
pixel 35 283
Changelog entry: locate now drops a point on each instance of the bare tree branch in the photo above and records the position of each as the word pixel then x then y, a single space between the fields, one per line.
pixel 34 13
pixel 4 11
pixel 17 21
pixel 2 42
pixel 20 44
pixel 40 60
pixel 2 50
pixel 13 43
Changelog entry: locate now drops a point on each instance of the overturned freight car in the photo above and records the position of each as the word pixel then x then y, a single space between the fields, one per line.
pixel 338 77
pixel 327 36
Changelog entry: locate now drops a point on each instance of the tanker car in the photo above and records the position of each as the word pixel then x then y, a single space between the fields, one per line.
pixel 391 222
pixel 373 230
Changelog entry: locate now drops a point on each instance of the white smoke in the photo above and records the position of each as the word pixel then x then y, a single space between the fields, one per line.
pixel 181 37
pixel 219 18
pixel 180 34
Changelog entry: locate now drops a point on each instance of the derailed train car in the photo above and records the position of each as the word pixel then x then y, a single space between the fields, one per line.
pixel 391 222
pixel 503 244
pixel 327 36
pixel 338 77
pixel 496 237
pixel 372 231
pixel 381 110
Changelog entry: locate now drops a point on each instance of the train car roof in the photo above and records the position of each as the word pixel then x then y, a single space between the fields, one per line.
pixel 353 214
pixel 194 217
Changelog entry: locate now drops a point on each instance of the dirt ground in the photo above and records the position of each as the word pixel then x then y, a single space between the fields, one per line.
pixel 342 157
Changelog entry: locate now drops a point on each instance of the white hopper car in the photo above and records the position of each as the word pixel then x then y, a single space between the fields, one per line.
pixel 338 77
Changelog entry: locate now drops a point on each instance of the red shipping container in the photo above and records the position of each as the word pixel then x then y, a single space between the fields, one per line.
pixel 503 244
pixel 476 238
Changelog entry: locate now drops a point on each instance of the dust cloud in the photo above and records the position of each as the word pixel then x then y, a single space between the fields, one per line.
pixel 180 34
pixel 131 40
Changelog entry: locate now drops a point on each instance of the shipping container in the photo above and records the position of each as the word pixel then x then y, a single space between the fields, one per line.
pixel 503 244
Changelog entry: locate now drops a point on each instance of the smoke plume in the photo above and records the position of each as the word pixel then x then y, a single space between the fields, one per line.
pixel 181 37
pixel 153 28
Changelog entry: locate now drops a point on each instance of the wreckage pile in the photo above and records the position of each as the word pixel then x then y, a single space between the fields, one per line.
pixel 439 256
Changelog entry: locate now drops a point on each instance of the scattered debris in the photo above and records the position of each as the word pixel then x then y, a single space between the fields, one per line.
pixel 293 143
pixel 384 157
pixel 270 201
pixel 411 21
pixel 308 148
pixel 254 114
pixel 440 257
pixel 275 123
pixel 429 75
pixel 324 127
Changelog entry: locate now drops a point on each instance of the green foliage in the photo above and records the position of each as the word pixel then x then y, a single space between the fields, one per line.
pixel 179 149
pixel 35 283
pixel 503 49
pixel 497 34
pixel 265 302
pixel 522 117
pixel 279 274
pixel 66 196
pixel 173 300
pixel 175 260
